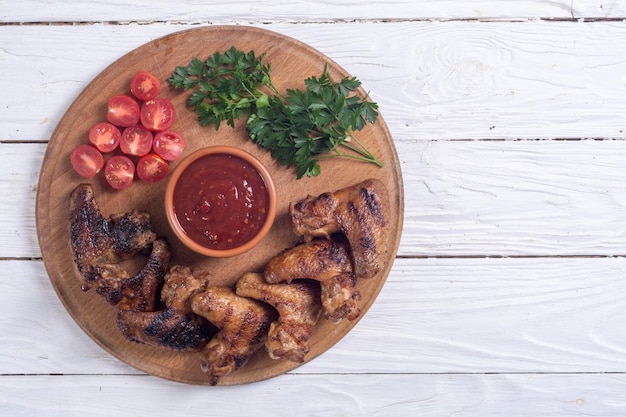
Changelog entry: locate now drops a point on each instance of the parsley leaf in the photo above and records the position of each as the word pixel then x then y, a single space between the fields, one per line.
pixel 298 127
pixel 225 85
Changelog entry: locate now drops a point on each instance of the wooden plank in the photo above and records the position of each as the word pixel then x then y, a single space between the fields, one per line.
pixel 18 185
pixel 599 9
pixel 321 395
pixel 283 10
pixel 38 335
pixel 432 80
pixel 520 198
pixel 462 198
pixel 529 315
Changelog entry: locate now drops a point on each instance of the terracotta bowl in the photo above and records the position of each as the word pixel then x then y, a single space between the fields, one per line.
pixel 174 197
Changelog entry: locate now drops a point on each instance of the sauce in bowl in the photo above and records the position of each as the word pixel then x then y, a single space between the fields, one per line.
pixel 221 200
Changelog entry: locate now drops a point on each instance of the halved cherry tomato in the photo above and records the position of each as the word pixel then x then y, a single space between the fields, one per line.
pixel 123 111
pixel 119 172
pixel 136 140
pixel 86 160
pixel 152 168
pixel 105 136
pixel 158 114
pixel 145 86
pixel 168 145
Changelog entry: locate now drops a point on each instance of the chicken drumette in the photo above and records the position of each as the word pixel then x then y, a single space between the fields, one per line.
pixel 99 244
pixel 325 261
pixel 298 306
pixel 141 291
pixel 359 212
pixel 98 241
pixel 243 324
pixel 176 326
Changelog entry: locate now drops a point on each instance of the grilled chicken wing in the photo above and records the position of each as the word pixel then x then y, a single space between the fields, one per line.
pixel 176 327
pixel 359 212
pixel 243 325
pixel 100 242
pixel 140 292
pixel 298 306
pixel 278 308
pixel 181 284
pixel 325 261
pixel 167 328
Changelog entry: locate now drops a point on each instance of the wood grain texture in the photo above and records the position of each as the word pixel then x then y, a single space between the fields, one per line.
pixel 599 9
pixel 514 198
pixel 452 332
pixel 344 395
pixel 456 315
pixel 18 186
pixel 467 198
pixel 292 62
pixel 433 80
pixel 282 10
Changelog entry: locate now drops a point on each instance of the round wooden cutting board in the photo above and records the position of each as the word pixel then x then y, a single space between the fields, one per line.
pixel 292 62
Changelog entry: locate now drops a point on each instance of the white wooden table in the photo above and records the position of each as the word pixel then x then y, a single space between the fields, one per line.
pixel 508 294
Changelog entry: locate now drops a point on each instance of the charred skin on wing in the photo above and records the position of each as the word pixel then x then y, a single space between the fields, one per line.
pixel 342 240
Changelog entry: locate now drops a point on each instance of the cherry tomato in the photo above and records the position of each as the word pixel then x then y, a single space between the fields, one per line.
pixel 158 114
pixel 145 86
pixel 152 168
pixel 123 111
pixel 119 172
pixel 136 140
pixel 86 160
pixel 168 145
pixel 105 136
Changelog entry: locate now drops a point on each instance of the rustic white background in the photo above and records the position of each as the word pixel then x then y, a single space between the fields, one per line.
pixel 508 295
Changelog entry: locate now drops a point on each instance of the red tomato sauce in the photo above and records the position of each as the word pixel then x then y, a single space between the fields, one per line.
pixel 221 201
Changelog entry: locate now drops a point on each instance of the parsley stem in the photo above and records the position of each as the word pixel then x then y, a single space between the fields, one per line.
pixel 359 157
pixel 361 149
pixel 362 153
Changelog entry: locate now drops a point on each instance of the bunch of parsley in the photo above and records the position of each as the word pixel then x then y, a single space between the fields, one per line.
pixel 298 127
